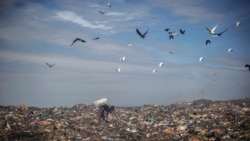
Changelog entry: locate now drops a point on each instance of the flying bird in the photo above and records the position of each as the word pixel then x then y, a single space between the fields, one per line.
pixel 102 12
pixel 167 29
pixel 122 59
pixel 161 64
pixel 96 38
pixel 140 34
pixel 211 31
pixel 219 34
pixel 201 59
pixel 171 37
pixel 154 70
pixel 78 39
pixel 50 65
pixel 230 50
pixel 247 66
pixel 109 4
pixel 208 42
pixel 182 31
pixel 170 52
pixel 238 24
pixel 118 70
pixel 129 44
pixel 173 33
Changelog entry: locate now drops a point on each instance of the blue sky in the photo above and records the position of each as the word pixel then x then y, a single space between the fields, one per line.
pixel 33 32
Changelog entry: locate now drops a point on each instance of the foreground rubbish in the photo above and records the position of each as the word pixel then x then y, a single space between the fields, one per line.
pixel 187 121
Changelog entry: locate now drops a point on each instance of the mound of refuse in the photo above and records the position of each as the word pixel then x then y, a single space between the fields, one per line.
pixel 188 121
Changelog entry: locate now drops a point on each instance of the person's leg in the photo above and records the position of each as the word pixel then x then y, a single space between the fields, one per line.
pixel 100 113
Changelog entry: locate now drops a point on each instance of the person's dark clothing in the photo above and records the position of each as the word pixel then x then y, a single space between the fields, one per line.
pixel 103 109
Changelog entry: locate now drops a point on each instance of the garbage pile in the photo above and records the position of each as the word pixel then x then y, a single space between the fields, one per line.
pixel 187 121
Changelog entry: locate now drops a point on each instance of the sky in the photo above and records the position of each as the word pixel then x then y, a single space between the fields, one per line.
pixel 33 32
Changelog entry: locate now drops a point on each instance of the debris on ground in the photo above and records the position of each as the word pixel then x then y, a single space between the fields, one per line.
pixel 187 121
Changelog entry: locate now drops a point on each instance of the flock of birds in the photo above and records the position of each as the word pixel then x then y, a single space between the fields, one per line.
pixel 172 35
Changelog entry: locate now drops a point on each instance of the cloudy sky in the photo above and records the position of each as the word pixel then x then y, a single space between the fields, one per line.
pixel 33 32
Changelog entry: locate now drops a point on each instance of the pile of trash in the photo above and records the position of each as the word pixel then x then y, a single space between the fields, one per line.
pixel 187 121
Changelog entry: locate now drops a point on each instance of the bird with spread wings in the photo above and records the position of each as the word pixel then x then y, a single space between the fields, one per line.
pixel 50 65
pixel 78 39
pixel 140 34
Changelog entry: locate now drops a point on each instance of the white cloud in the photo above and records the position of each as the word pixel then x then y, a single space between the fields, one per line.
pixel 70 16
pixel 115 14
pixel 192 11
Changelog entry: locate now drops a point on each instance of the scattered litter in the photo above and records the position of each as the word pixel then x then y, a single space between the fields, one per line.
pixel 195 121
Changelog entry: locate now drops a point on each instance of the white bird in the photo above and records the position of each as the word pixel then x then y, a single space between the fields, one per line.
pixel 211 31
pixel 109 4
pixel 238 24
pixel 173 33
pixel 118 70
pixel 161 64
pixel 201 59
pixel 122 59
pixel 230 50
pixel 129 44
pixel 155 70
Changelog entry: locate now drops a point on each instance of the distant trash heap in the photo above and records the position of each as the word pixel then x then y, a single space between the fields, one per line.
pixel 199 120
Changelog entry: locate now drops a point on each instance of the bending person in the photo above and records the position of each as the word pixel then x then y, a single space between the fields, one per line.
pixel 102 109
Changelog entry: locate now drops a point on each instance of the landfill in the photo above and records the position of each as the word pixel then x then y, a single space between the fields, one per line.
pixel 199 120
